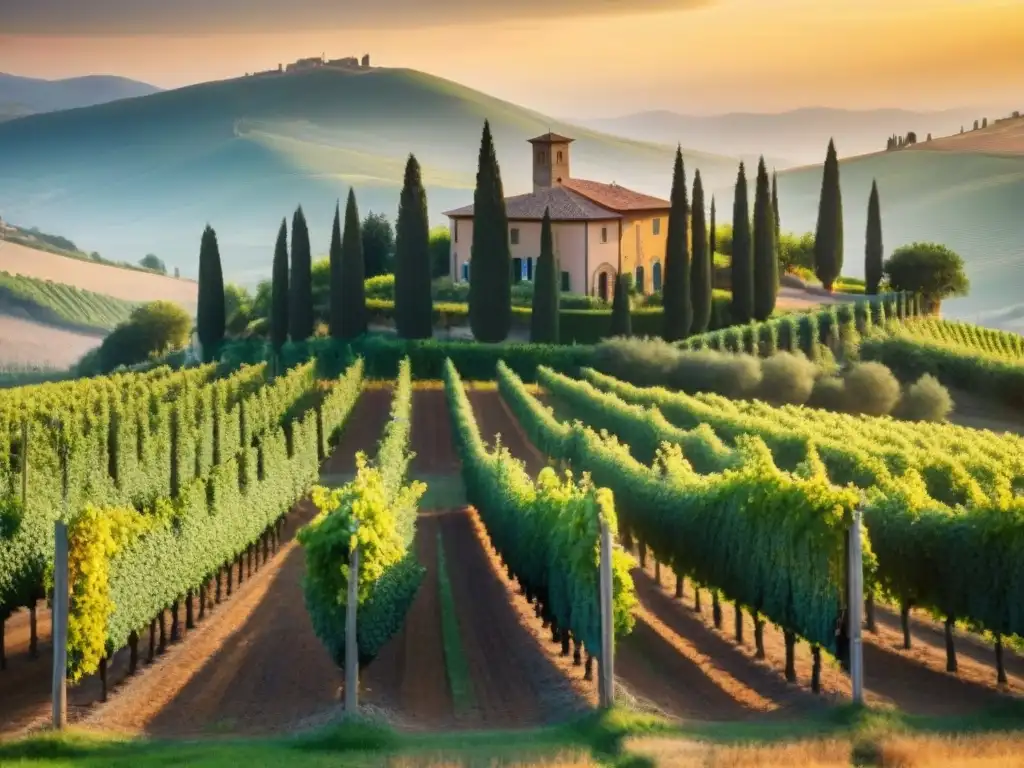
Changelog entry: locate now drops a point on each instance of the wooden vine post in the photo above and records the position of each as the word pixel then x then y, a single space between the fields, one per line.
pixel 351 638
pixel 855 575
pixel 60 626
pixel 606 663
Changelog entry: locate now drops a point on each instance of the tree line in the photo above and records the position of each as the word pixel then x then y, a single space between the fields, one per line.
pixel 687 289
pixel 291 303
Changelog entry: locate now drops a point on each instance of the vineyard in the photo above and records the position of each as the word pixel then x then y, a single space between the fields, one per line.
pixel 212 515
pixel 59 304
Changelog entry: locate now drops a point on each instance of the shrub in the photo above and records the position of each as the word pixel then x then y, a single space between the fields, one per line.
pixel 829 394
pixel 797 252
pixel 787 378
pixel 925 400
pixel 152 262
pixel 871 389
pixel 153 329
pixel 735 376
pixel 644 362
pixel 929 269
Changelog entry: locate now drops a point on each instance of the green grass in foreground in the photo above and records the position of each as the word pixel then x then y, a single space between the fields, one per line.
pixel 64 305
pixel 600 738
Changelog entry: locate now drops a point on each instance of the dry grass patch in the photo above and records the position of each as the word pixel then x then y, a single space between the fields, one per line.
pixel 677 753
pixel 981 751
pixel 920 751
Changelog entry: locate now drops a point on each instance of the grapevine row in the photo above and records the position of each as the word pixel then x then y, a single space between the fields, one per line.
pixel 959 561
pixel 866 451
pixel 73 456
pixel 378 510
pixel 127 566
pixel 127 442
pixel 769 540
pixel 805 332
pixel 546 531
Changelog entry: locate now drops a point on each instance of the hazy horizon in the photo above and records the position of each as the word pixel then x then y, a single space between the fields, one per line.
pixel 923 55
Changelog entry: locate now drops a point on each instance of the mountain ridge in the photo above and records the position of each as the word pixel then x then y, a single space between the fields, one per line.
pixel 21 96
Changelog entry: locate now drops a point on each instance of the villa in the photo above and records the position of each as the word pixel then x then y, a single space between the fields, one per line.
pixel 598 229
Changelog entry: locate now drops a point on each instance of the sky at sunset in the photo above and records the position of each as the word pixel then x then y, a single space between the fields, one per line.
pixel 565 57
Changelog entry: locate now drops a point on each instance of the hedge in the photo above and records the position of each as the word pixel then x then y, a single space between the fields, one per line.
pixel 474 360
pixel 577 326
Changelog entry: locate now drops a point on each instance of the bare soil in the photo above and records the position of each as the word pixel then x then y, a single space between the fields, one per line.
pixel 362 431
pixel 409 677
pixel 968 645
pixel 135 703
pixel 24 342
pixel 494 418
pixel 1003 138
pixel 914 681
pixel 256 668
pixel 517 681
pixel 514 681
pixel 978 412
pixel 431 435
pixel 127 284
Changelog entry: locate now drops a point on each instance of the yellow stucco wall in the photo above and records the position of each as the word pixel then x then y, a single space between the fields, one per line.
pixel 641 247
pixel 571 239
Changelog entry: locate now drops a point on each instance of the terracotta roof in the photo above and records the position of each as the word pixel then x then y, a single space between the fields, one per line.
pixel 614 197
pixel 563 204
pixel 551 138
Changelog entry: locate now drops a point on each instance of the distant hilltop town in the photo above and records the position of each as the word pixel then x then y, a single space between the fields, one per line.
pixel 317 62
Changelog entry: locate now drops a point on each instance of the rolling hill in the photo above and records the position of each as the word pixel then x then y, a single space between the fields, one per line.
pixel 60 304
pixel 128 285
pixel 796 137
pixel 966 192
pixel 27 95
pixel 146 175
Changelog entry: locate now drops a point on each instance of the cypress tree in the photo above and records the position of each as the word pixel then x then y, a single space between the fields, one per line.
pixel 490 281
pixel 414 308
pixel 210 317
pixel 701 283
pixel 300 324
pixel 712 234
pixel 742 273
pixel 279 295
pixel 766 260
pixel 544 319
pixel 828 236
pixel 337 300
pixel 622 320
pixel 352 313
pixel 873 244
pixel 775 212
pixel 678 314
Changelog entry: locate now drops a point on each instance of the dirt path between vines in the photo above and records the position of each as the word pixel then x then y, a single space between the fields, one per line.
pixel 362 431
pixel 254 667
pixel 409 676
pixel 515 683
pixel 431 435
pixel 517 680
pixel 912 681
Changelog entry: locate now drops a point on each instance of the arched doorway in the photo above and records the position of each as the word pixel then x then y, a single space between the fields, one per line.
pixel 602 284
pixel 656 276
